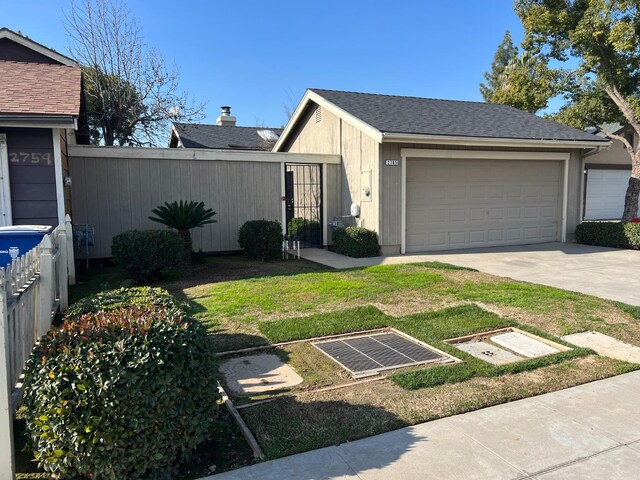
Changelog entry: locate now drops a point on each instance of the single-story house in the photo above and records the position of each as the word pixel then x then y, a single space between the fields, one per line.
pixel 607 176
pixel 224 135
pixel 431 174
pixel 41 111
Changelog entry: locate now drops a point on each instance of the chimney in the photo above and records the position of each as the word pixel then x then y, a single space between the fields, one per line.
pixel 226 119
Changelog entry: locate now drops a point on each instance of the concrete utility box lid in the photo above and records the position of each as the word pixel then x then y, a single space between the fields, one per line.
pixel 523 344
pixel 489 353
pixel 256 374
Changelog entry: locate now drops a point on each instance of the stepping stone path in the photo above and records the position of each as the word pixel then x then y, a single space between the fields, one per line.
pixel 605 345
pixel 489 353
pixel 255 374
pixel 523 345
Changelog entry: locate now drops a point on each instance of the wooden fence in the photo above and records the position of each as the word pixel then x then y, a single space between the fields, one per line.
pixel 32 290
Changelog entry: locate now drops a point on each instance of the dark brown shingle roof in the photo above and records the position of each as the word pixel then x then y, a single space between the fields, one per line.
pixel 39 89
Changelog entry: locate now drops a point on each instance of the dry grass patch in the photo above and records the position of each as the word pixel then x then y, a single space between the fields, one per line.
pixel 316 420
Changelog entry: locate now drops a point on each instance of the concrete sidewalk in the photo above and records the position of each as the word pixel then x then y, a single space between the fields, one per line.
pixel 587 432
pixel 604 272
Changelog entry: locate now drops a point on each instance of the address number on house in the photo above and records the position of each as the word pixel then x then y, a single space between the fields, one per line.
pixel 392 163
pixel 32 158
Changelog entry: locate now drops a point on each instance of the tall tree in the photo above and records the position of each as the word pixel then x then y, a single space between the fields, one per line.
pixel 603 36
pixel 131 93
pixel 505 53
pixel 527 83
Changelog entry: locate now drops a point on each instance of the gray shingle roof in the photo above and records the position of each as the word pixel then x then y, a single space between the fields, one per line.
pixel 223 137
pixel 428 116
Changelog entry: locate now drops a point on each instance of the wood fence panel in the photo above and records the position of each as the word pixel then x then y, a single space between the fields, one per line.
pixel 117 194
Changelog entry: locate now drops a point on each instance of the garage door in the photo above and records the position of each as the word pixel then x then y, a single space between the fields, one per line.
pixel 454 204
pixel 605 193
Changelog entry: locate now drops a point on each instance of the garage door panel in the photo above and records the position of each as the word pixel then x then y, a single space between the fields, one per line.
pixel 605 192
pixel 471 203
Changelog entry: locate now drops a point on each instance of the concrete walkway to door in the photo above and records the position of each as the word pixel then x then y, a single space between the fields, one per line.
pixel 603 272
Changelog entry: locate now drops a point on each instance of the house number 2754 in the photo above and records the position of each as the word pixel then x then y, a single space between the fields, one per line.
pixel 32 158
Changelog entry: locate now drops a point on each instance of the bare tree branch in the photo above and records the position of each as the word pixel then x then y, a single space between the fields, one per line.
pixel 132 94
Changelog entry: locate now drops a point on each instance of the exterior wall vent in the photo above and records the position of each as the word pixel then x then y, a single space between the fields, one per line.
pixel 318 114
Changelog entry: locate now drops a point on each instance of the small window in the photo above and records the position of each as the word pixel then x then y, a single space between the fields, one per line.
pixel 318 114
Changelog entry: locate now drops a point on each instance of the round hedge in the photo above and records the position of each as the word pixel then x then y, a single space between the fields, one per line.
pixel 261 239
pixel 148 254
pixel 120 394
pixel 112 300
pixel 356 242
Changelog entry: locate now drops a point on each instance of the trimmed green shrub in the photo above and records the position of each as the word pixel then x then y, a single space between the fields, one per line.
pixel 112 300
pixel 304 230
pixel 355 242
pixel 609 234
pixel 148 254
pixel 120 394
pixel 261 239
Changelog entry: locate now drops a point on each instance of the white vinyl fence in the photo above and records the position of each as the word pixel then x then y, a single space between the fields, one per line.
pixel 32 290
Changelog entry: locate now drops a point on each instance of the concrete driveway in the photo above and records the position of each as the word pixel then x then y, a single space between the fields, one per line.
pixel 603 272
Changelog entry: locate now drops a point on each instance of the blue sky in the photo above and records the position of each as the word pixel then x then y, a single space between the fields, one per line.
pixel 259 56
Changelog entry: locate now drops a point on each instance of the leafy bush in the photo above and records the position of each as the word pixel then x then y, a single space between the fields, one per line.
pixel 261 239
pixel 183 217
pixel 356 242
pixel 112 300
pixel 304 230
pixel 120 394
pixel 148 254
pixel 609 234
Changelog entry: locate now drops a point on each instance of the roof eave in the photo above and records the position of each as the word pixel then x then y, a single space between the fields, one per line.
pixel 489 141
pixel 38 121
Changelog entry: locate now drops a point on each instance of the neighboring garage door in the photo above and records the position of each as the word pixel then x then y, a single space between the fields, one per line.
pixel 454 203
pixel 605 192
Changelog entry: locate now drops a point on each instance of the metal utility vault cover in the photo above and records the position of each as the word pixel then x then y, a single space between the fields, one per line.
pixel 370 354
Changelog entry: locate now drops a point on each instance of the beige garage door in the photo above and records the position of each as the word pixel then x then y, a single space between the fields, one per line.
pixel 454 204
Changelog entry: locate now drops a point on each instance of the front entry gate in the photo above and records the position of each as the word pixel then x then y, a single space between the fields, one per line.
pixel 303 191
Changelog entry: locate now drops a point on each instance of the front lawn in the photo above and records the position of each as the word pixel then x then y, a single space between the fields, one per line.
pixel 246 304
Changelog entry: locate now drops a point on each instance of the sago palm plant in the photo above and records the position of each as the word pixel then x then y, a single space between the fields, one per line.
pixel 183 216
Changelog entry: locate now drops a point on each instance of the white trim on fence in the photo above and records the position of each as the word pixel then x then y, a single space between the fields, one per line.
pixel 207 154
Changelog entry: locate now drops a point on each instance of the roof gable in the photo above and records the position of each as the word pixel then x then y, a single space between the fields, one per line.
pixel 14 45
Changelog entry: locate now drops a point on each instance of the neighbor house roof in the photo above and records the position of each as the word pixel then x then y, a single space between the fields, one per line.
pixel 224 137
pixel 36 47
pixel 39 89
pixel 429 116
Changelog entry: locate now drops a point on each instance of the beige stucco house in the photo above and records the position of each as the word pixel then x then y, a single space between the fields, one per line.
pixel 432 174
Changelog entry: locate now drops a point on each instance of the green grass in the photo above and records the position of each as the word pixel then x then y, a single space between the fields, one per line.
pixel 323 324
pixel 430 327
pixel 630 309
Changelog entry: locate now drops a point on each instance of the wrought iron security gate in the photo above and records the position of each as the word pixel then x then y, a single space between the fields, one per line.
pixel 303 191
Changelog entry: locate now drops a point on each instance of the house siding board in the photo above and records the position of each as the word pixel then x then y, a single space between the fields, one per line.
pixel 359 152
pixel 14 52
pixel 117 194
pixel 391 190
pixel 32 180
